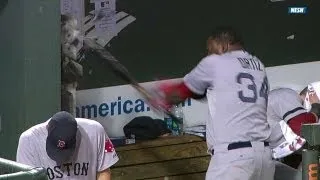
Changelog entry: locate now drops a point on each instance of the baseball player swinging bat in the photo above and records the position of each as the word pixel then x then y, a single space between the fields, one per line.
pixel 70 38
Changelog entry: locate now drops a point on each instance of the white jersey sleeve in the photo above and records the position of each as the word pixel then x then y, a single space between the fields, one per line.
pixel 284 104
pixel 25 154
pixel 200 78
pixel 107 155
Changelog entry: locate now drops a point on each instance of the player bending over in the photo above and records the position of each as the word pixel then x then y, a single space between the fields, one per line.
pixel 286 114
pixel 69 148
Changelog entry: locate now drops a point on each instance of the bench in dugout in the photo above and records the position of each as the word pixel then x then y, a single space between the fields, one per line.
pixel 16 171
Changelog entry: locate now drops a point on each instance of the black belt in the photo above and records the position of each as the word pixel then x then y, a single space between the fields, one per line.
pixel 238 145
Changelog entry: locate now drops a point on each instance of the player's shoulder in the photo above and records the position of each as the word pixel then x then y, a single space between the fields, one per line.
pixel 210 59
pixel 88 123
pixel 282 91
pixel 34 131
pixel 282 94
pixel 91 127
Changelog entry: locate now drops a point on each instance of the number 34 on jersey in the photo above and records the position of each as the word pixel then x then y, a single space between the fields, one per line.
pixel 251 93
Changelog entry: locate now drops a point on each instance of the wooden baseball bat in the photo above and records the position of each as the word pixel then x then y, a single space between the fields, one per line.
pixel 124 74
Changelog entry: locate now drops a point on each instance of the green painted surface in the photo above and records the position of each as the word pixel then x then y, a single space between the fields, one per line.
pixel 310 164
pixel 311 132
pixel 29 68
pixel 310 156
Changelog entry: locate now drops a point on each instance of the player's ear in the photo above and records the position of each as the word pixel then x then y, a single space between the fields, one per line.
pixel 224 47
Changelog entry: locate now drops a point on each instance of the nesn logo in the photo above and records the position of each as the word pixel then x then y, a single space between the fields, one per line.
pixel 297 10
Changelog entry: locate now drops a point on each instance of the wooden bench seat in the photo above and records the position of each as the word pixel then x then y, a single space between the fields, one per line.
pixel 173 157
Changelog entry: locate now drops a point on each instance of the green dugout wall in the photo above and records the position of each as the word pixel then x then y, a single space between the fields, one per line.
pixel 29 67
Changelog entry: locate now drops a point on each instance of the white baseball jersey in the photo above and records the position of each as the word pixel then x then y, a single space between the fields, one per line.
pixel 237 89
pixel 284 104
pixel 94 152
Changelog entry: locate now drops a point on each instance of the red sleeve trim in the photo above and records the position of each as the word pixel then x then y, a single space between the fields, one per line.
pixel 179 89
pixel 184 91
pixel 296 122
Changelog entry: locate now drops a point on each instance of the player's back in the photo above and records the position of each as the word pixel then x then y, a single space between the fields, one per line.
pixel 283 104
pixel 237 99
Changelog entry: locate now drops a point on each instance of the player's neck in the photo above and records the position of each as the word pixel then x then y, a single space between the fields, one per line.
pixel 235 48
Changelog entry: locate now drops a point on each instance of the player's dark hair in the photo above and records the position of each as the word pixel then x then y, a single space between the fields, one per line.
pixel 227 34
pixel 304 91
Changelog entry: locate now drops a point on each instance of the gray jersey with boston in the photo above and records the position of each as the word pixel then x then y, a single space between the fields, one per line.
pixel 91 156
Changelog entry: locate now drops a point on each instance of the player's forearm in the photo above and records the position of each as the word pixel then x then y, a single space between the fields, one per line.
pixel 177 93
pixel 104 175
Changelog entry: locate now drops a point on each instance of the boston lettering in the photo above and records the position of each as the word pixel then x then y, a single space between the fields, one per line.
pixel 68 169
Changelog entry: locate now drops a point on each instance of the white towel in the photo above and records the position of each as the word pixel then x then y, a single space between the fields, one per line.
pixel 196 130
